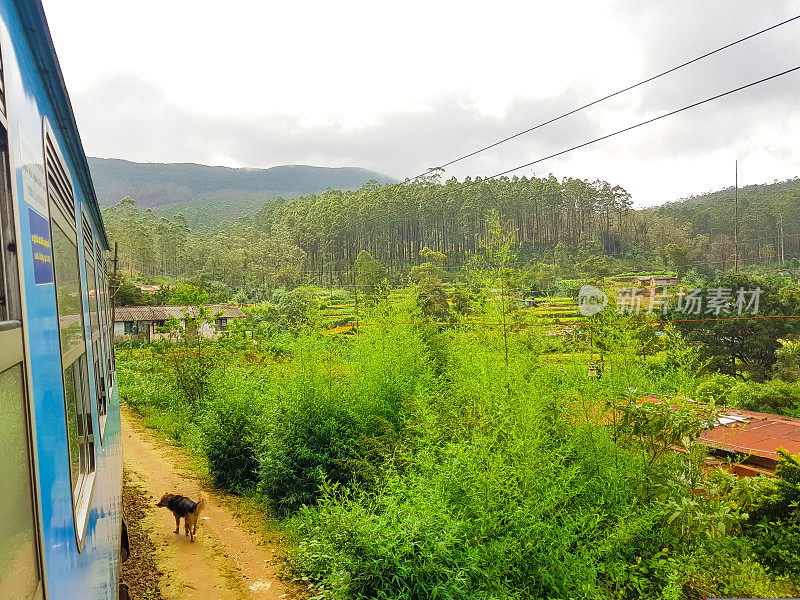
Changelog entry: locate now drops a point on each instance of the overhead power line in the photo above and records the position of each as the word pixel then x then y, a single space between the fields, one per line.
pixel 604 98
pixel 647 122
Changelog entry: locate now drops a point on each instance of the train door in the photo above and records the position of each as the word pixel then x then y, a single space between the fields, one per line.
pixel 20 566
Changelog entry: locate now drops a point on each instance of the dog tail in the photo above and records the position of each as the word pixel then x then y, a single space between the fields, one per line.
pixel 201 503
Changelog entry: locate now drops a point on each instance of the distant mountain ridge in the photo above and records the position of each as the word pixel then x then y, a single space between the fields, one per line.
pixel 162 184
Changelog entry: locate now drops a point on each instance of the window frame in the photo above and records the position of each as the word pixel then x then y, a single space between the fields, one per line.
pixel 108 324
pixel 12 336
pixel 95 326
pixel 60 190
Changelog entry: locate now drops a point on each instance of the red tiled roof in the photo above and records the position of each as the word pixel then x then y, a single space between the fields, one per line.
pixel 760 434
pixel 748 432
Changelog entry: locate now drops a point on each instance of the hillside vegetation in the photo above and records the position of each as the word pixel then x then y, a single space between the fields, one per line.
pixel 157 184
pixel 769 217
pixel 565 229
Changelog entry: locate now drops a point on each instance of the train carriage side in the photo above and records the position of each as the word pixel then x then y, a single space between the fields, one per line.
pixel 61 473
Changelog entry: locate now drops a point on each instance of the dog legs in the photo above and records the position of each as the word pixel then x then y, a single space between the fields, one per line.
pixel 191 525
pixel 177 524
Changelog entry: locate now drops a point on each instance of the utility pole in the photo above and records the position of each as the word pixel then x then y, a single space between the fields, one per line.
pixel 736 223
pixel 114 293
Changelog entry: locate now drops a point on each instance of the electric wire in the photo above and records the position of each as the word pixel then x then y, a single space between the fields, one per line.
pixel 607 97
pixel 647 122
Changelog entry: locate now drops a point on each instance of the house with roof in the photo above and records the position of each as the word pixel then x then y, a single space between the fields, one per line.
pixel 746 442
pixel 142 323
pixel 658 280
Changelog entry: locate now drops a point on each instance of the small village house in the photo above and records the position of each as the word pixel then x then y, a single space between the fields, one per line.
pixel 142 323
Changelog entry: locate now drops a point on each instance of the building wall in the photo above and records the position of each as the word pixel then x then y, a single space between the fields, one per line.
pixel 207 330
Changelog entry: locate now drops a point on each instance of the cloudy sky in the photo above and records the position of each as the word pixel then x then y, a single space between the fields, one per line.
pixel 400 87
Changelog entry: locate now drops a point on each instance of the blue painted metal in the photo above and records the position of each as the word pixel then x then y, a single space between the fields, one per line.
pixel 34 90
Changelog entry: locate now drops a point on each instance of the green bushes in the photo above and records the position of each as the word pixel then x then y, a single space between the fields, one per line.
pixel 321 428
pixel 417 462
pixel 774 396
pixel 232 433
pixel 305 444
pixel 775 523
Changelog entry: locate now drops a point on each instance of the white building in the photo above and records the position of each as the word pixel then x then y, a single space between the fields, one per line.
pixel 141 323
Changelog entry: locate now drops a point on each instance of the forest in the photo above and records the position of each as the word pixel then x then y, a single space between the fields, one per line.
pixel 581 228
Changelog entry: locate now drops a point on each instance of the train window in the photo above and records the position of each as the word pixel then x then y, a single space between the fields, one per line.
pixel 79 422
pixel 19 560
pixel 68 293
pixel 108 321
pixel 9 278
pixel 69 303
pixel 102 342
pixel 20 567
pixel 3 113
pixel 92 287
pixel 105 318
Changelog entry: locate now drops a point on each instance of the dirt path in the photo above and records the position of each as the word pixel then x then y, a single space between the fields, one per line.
pixel 227 561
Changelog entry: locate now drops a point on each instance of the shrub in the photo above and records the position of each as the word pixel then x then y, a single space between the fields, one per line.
pixel 787 367
pixel 307 442
pixel 774 524
pixel 231 437
pixel 777 397
pixel 715 389
pixel 324 430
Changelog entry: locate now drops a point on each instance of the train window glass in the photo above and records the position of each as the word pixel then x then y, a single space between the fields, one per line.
pixel 100 381
pixel 73 424
pixel 92 288
pixel 69 305
pixel 2 89
pixel 80 429
pixel 91 275
pixel 108 321
pixel 91 284
pixel 68 293
pixel 9 278
pixel 19 562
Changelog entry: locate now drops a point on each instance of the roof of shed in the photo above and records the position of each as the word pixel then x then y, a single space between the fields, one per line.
pixel 759 434
pixel 162 313
pixel 749 432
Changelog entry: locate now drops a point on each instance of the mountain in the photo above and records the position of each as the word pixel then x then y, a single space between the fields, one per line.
pixel 185 184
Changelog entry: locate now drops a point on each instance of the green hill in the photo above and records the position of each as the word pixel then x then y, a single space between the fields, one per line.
pixel 762 210
pixel 220 191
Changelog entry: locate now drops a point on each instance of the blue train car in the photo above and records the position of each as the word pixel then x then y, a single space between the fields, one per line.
pixel 61 527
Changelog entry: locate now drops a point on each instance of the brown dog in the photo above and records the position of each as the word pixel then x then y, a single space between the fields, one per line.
pixel 183 508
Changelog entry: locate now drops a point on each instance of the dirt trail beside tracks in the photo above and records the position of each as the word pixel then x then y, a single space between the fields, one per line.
pixel 228 560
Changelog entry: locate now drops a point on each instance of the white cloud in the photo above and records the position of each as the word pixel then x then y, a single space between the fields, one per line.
pixel 401 87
